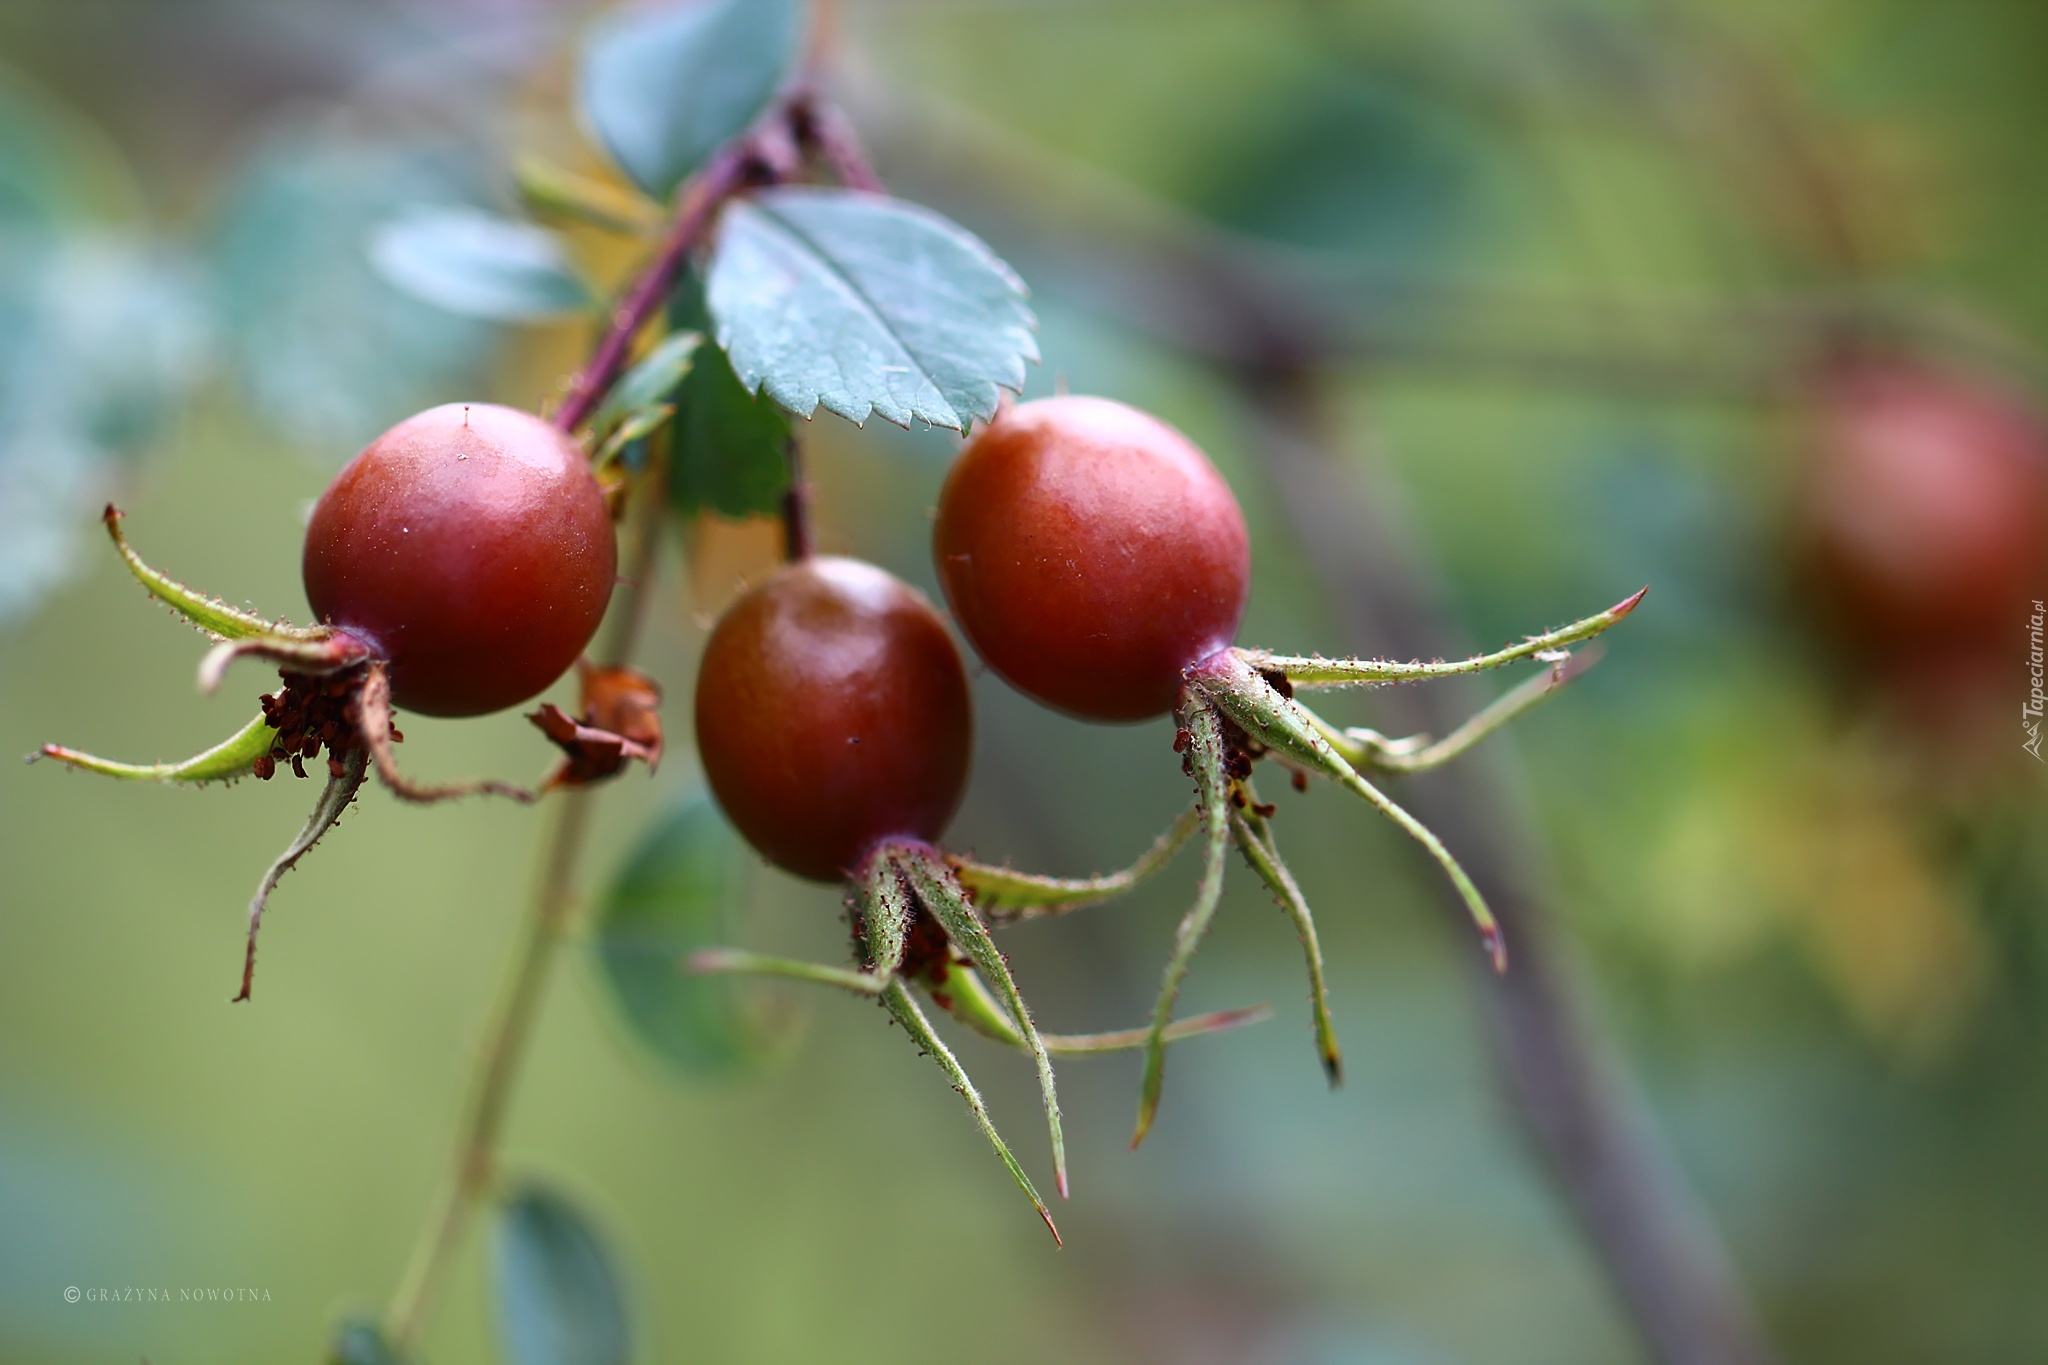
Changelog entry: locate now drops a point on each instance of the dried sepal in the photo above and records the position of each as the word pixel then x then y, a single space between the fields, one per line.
pixel 372 714
pixel 236 756
pixel 620 722
pixel 316 654
pixel 343 783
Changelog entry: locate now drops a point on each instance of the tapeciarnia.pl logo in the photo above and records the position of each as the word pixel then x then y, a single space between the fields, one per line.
pixel 2030 712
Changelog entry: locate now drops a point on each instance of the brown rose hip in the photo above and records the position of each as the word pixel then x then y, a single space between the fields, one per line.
pixel 832 713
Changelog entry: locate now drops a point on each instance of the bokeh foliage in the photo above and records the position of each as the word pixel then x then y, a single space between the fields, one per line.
pixel 1824 954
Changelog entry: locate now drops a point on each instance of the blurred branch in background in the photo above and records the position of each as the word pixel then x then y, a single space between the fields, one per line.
pixel 1663 1256
pixel 1270 323
pixel 1244 303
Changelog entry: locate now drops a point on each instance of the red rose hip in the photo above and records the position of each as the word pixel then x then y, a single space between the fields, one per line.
pixel 1923 511
pixel 1091 553
pixel 832 713
pixel 470 546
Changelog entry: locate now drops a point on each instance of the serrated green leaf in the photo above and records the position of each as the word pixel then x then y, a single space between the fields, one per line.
pixel 559 1297
pixel 678 893
pixel 663 88
pixel 730 449
pixel 478 264
pixel 863 303
pixel 360 1341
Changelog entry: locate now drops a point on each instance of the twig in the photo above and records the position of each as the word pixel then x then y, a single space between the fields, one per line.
pixel 730 169
pixel 504 1047
pixel 822 127
pixel 548 915
pixel 797 540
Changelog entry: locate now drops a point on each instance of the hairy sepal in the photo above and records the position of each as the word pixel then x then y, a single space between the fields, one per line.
pixel 233 757
pixel 209 614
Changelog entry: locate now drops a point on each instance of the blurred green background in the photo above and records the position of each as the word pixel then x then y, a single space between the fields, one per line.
pixel 1578 270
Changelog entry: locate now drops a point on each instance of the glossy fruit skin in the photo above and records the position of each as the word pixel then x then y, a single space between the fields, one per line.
pixel 833 713
pixel 1091 553
pixel 470 545
pixel 1922 511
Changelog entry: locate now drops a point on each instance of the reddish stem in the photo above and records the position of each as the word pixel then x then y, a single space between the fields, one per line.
pixel 729 171
pixel 822 127
pixel 797 541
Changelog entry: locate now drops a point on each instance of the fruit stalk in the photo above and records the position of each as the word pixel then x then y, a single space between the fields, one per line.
pixel 547 920
pixel 797 541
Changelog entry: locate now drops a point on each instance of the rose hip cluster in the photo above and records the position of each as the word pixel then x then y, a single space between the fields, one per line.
pixel 1092 555
pixel 1097 562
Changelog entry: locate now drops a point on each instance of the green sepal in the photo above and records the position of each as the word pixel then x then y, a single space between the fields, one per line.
pixel 1255 840
pixel 1006 895
pixel 1297 736
pixel 1314 671
pixel 231 758
pixel 1212 802
pixel 885 916
pixel 900 1004
pixel 740 962
pixel 960 993
pixel 942 895
pixel 210 614
pixel 1371 751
